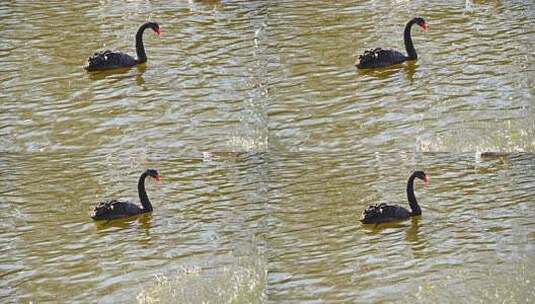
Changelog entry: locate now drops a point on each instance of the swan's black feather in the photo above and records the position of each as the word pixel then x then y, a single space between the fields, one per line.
pixel 109 60
pixel 108 210
pixel 379 57
pixel 382 213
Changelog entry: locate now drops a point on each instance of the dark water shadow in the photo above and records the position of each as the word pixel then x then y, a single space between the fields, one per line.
pixel 139 75
pixel 378 228
pixel 214 3
pixel 380 73
pixel 99 75
pixel 411 235
pixel 142 221
pixel 121 73
pixel 408 68
pixel 416 240
pixel 490 155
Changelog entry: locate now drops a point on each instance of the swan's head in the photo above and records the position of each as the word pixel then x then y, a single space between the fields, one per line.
pixel 154 174
pixel 421 175
pixel 421 22
pixel 155 27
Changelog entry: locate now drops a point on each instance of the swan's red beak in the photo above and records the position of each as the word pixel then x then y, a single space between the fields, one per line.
pixel 426 181
pixel 157 178
pixel 425 26
pixel 158 32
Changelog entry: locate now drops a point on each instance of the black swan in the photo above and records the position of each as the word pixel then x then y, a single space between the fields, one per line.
pixel 111 60
pixel 383 213
pixel 378 57
pixel 109 210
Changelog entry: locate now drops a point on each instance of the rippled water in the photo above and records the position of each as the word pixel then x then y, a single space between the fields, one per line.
pixel 270 144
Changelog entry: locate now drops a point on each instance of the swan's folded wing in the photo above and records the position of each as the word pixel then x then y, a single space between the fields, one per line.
pixel 383 213
pixel 114 209
pixel 372 212
pixel 109 60
pixel 379 57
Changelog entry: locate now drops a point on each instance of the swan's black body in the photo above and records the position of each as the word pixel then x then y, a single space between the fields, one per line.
pixel 378 57
pixel 383 213
pixel 112 60
pixel 109 210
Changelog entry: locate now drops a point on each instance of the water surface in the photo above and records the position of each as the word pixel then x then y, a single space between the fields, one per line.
pixel 270 144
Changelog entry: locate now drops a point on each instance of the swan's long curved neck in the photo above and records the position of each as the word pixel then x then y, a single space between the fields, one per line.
pixel 140 48
pixel 411 52
pixel 147 206
pixel 415 208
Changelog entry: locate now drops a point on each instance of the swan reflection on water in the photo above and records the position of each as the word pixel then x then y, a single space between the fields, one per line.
pixel 121 73
pixel 142 221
